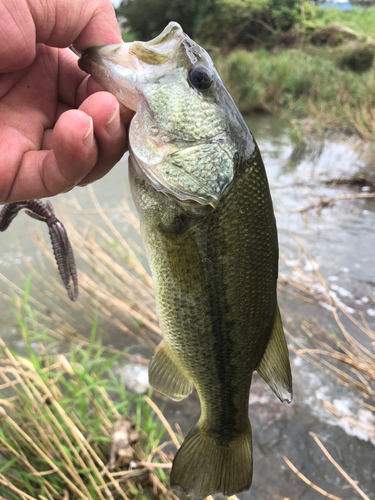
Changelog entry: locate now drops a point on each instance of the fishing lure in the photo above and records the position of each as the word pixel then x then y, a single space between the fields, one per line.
pixel 62 248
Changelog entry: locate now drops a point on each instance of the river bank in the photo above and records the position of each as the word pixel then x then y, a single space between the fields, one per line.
pixel 302 83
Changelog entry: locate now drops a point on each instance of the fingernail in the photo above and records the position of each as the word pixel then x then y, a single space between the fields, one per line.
pixel 113 125
pixel 88 139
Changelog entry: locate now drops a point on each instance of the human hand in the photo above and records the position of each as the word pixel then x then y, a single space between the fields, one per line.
pixel 55 131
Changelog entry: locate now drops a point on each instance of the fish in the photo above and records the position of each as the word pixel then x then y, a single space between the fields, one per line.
pixel 207 220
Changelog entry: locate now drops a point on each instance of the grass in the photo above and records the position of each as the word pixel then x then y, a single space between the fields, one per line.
pixel 299 84
pixel 56 412
pixel 360 20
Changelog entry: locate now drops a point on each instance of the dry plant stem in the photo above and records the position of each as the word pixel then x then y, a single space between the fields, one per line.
pixel 295 294
pixel 132 297
pixel 370 407
pixel 155 465
pixel 303 351
pixel 23 495
pixel 164 420
pixel 85 448
pixel 127 301
pixel 325 201
pixel 135 359
pixel 139 268
pixel 40 452
pixel 308 482
pixel 351 419
pixel 30 390
pixel 348 478
pixel 355 344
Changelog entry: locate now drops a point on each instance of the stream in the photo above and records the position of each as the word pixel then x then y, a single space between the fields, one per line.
pixel 341 240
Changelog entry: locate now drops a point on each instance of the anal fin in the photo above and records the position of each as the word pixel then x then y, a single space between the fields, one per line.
pixel 166 376
pixel 274 367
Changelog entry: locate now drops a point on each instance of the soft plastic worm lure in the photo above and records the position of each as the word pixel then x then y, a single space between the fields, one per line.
pixel 62 248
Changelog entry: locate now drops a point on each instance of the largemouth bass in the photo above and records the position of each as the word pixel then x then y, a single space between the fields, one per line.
pixel 201 190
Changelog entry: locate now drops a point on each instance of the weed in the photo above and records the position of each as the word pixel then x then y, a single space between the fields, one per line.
pixel 56 413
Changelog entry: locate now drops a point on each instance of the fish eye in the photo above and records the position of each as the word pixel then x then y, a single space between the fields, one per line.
pixel 199 77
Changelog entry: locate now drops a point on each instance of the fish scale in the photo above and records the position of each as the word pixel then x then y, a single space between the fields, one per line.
pixel 200 120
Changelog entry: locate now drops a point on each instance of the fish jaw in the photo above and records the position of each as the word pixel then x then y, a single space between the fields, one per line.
pixel 116 69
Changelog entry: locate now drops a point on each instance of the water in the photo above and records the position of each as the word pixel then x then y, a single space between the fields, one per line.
pixel 341 240
pixel 343 5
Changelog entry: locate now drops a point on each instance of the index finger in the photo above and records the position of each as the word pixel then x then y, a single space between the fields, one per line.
pixel 81 23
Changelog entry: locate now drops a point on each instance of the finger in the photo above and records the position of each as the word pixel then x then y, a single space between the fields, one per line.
pixel 89 86
pixel 17 34
pixel 74 154
pixel 23 23
pixel 110 133
pixel 117 135
pixel 79 22
pixel 75 149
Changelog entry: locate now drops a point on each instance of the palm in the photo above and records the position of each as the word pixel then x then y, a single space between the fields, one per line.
pixel 28 105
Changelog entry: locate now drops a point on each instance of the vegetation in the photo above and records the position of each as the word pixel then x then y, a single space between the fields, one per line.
pixel 287 57
pixel 338 353
pixel 358 60
pixel 247 23
pixel 360 20
pixel 298 84
pixel 147 18
pixel 58 404
pixel 219 22
pixel 57 411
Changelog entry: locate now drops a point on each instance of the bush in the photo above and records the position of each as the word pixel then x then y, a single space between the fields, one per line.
pixel 299 85
pixel 225 23
pixel 147 18
pixel 247 22
pixel 358 60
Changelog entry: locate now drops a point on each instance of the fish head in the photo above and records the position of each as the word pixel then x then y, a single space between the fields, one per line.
pixel 186 132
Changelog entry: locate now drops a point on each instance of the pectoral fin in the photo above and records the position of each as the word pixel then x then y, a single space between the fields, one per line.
pixel 166 376
pixel 274 367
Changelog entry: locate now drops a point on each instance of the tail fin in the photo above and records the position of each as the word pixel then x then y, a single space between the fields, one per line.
pixel 204 465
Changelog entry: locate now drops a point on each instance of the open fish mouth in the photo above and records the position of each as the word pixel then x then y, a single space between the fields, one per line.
pixel 179 141
pixel 134 64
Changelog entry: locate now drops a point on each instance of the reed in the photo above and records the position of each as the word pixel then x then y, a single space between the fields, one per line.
pixel 57 411
pixel 338 353
pixel 52 401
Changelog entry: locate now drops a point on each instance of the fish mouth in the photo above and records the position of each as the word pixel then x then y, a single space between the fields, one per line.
pixel 116 69
pixel 152 79
pixel 125 68
pixel 160 49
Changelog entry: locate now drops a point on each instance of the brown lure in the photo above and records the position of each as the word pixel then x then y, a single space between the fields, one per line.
pixel 62 248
